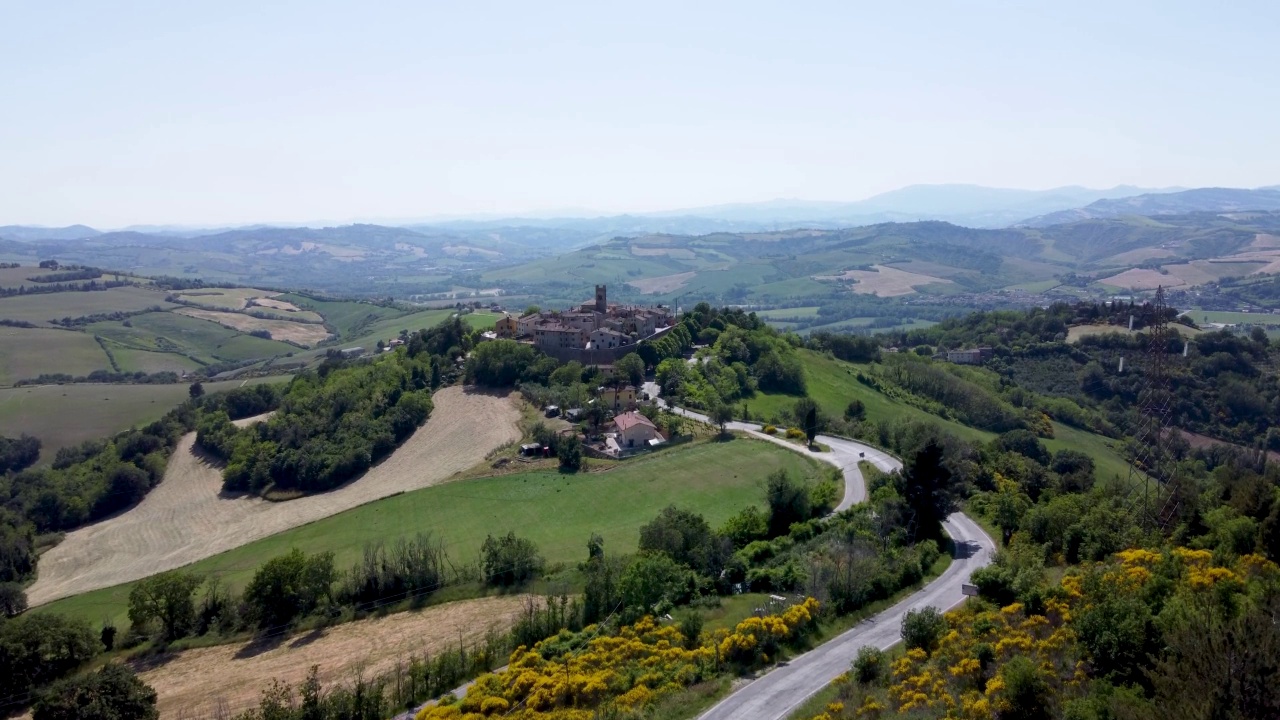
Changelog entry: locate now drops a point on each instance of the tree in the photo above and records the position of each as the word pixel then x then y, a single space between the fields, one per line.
pixel 722 415
pixel 500 363
pixel 806 412
pixel 289 586
pixel 630 367
pixel 39 648
pixel 930 491
pixel 166 598
pixel 569 450
pixel 13 600
pixel 17 548
pixel 653 582
pixel 1024 443
pixel 789 502
pixel 923 628
pixel 855 410
pixel 112 693
pixel 508 560
pixel 602 595
pixel 196 390
pixel 687 538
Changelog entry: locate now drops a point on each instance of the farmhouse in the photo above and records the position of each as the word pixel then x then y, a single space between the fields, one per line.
pixel 506 326
pixel 635 430
pixel 616 398
pixel 973 356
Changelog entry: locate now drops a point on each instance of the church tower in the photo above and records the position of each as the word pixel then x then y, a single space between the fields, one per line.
pixel 602 304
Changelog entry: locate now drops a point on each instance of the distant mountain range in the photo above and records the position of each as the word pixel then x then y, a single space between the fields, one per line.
pixel 1219 200
pixel 967 205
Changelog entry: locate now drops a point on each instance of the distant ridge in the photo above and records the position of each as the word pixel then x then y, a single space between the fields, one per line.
pixel 1176 203
pixel 31 233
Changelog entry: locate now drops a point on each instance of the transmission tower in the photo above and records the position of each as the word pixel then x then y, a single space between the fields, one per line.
pixel 1152 473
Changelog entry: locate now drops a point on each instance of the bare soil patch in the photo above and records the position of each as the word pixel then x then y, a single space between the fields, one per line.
pixel 305 334
pixel 663 283
pixel 196 681
pixel 885 281
pixel 188 518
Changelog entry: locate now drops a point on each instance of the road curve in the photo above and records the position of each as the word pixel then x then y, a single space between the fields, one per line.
pixel 778 693
pixel 844 454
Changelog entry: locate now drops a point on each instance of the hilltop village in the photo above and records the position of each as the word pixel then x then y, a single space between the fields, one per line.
pixel 594 333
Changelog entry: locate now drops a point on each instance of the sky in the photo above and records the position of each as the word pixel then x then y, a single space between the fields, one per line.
pixel 204 113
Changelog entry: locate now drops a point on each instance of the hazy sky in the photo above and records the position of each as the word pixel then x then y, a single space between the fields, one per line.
pixel 114 113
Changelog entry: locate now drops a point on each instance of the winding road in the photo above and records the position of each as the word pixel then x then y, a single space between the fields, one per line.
pixel 777 694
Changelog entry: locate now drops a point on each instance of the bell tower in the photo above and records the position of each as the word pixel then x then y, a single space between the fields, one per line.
pixel 602 303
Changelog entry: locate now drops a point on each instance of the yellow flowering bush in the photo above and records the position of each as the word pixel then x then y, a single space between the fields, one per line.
pixel 962 679
pixel 627 671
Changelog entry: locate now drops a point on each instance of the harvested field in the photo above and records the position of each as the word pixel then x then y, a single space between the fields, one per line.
pixel 195 681
pixel 885 281
pixel 305 334
pixel 663 283
pixel 187 517
pixel 1133 257
pixel 277 304
pixel 649 250
pixel 1136 279
pixel 224 298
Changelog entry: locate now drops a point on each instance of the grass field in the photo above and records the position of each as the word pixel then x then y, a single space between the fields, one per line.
pixel 833 383
pixel 202 338
pixel 134 360
pixel 40 309
pixel 1107 462
pixel 1232 318
pixel 28 353
pixel 99 410
pixel 796 313
pixel 558 512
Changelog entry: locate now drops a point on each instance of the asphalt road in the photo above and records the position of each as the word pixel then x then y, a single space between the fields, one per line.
pixel 779 692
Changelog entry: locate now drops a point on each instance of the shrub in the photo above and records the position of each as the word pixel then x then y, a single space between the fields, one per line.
pixel 795 434
pixel 770 430
pixel 112 693
pixel 868 666
pixel 13 600
pixel 923 628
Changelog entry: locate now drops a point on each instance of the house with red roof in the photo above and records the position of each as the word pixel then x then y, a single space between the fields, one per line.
pixel 634 430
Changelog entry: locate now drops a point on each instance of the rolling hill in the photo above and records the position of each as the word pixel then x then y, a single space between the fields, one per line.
pixel 1199 200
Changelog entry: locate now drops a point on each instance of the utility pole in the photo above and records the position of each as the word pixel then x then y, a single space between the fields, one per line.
pixel 1152 472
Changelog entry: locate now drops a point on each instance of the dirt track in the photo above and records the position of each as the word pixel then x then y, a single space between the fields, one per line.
pixel 185 519
pixel 195 681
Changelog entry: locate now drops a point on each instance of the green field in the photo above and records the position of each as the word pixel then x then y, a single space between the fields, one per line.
pixel 1107 462
pixel 98 410
pixel 795 313
pixel 28 353
pixel 833 383
pixel 203 338
pixel 1200 317
pixel 42 308
pixel 558 512
pixel 133 360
